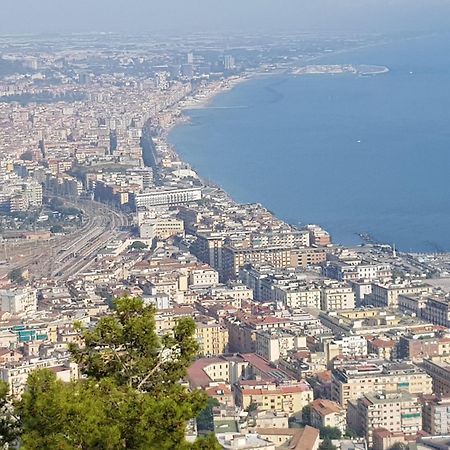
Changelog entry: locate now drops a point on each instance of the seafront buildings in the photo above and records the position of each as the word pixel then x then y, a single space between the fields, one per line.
pixel 293 329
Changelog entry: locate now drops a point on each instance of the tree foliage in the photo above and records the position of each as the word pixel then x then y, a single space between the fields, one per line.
pixel 326 444
pixel 9 423
pixel 205 420
pixel 306 415
pixel 138 245
pixel 130 397
pixel 57 229
pixel 399 446
pixel 17 276
pixel 330 433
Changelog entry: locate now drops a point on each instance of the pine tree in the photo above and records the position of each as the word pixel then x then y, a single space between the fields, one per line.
pixel 130 396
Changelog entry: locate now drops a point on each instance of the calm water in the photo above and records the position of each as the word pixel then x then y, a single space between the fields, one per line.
pixel 354 154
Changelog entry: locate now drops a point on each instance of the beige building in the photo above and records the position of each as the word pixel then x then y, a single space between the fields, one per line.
pixel 437 311
pixel 18 301
pixel 204 276
pixel 386 295
pixel 297 295
pixel 166 319
pixel 353 381
pixel 439 370
pixel 212 338
pixel 307 438
pixel 371 321
pixel 348 346
pixel 161 228
pixel 205 371
pixel 326 413
pixel 233 258
pixel 273 344
pixel 393 411
pixel 289 398
pixel 337 296
pixel 208 248
pixel 436 415
pixel 308 256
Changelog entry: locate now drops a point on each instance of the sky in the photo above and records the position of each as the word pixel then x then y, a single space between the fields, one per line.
pixel 49 16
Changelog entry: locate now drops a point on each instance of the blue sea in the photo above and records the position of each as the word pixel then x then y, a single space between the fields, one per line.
pixel 353 154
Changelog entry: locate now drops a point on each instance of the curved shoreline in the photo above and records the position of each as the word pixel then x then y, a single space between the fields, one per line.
pixel 339 69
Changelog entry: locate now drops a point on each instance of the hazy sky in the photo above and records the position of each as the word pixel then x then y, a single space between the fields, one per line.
pixel 21 16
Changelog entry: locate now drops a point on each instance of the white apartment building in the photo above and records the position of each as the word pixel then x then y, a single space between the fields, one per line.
pixel 18 301
pixel 273 344
pixel 158 197
pixel 297 296
pixel 16 374
pixel 351 346
pixel 204 277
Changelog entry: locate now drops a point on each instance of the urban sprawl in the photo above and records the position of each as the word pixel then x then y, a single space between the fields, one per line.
pixel 301 339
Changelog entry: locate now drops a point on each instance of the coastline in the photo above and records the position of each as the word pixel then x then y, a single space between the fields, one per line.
pixel 205 95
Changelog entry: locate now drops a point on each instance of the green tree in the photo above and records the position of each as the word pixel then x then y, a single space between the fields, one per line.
pixel 253 406
pixel 205 420
pixel 57 229
pixel 9 423
pixel 138 245
pixel 330 433
pixel 349 433
pixel 131 396
pixel 399 446
pixel 326 444
pixel 56 203
pixel 16 276
pixel 306 415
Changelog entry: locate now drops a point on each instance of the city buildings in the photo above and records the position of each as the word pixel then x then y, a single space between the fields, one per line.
pixel 95 204
pixel 393 411
pixel 289 398
pixel 326 413
pixel 353 381
pixel 18 301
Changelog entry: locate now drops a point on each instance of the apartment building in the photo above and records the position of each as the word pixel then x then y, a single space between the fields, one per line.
pixel 393 411
pixel 273 344
pixel 208 248
pixel 341 271
pixel 309 256
pixel 212 338
pixel 233 258
pixel 161 228
pixel 297 295
pixel 436 415
pixel 203 276
pixel 337 296
pixel 348 346
pixel 326 413
pixel 422 346
pixel 288 398
pixel 437 311
pixel 438 369
pixel 16 373
pixel 166 197
pixel 18 301
pixel 386 295
pixel 354 380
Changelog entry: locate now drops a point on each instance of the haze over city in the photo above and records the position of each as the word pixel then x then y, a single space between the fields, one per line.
pixel 49 16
